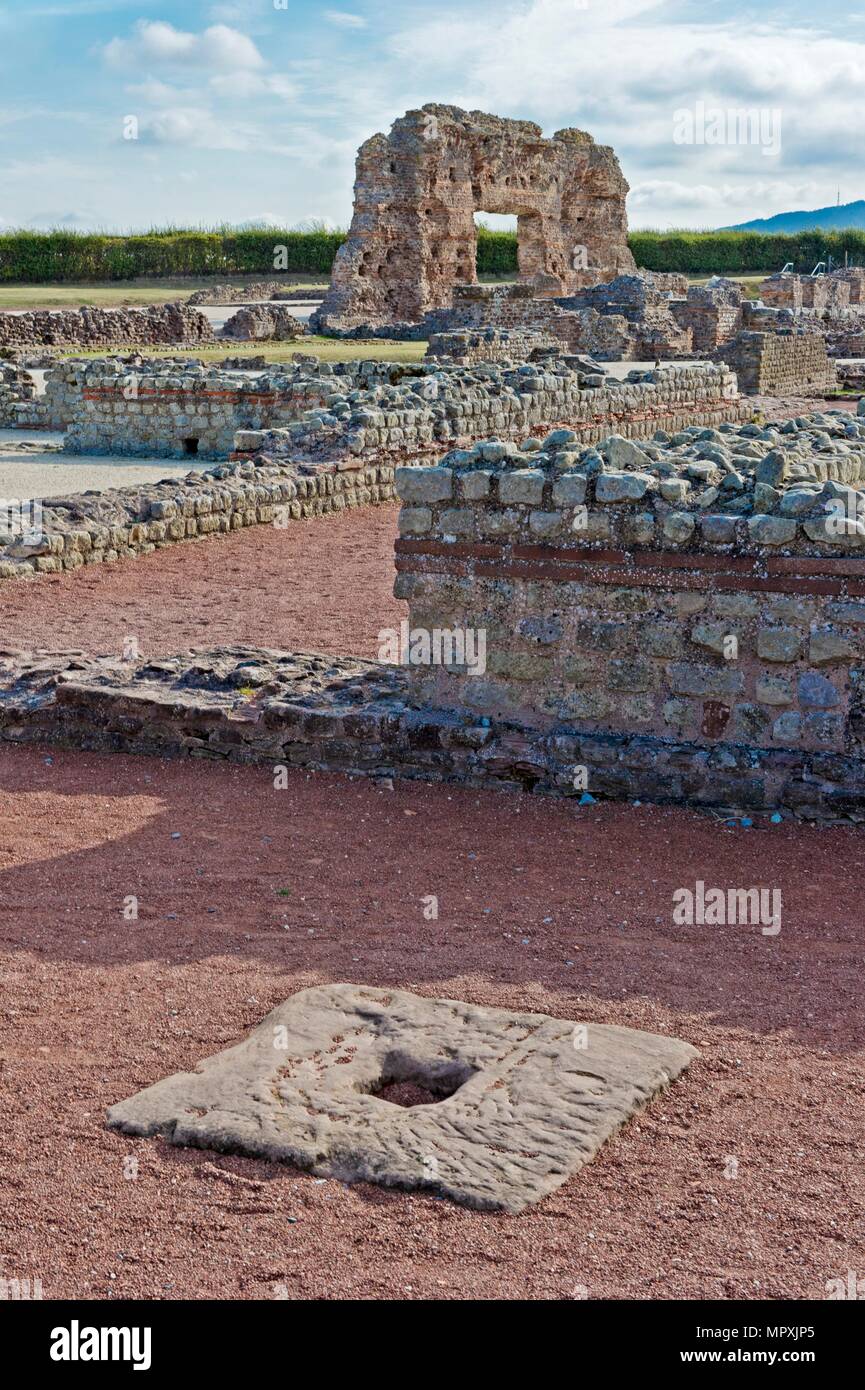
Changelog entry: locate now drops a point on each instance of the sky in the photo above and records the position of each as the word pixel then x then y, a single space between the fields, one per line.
pixel 125 114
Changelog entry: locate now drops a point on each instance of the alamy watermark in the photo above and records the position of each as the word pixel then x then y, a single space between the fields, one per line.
pixel 728 907
pixel 21 519
pixel 437 646
pixel 729 125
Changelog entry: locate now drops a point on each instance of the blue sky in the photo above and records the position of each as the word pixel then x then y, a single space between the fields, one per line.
pixel 252 110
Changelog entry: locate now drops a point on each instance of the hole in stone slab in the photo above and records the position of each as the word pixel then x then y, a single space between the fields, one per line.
pixel 190 445
pixel 407 1094
pixel 407 1082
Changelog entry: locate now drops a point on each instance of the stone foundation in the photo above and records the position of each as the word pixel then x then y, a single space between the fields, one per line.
pixel 97 328
pixel 781 364
pixel 259 290
pixel 123 523
pixel 490 345
pixel 374 409
pixel 337 714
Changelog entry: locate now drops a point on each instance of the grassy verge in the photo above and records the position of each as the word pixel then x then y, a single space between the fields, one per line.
pixel 328 349
pixel 111 295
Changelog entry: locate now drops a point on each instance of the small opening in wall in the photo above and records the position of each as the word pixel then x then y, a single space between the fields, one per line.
pixel 190 445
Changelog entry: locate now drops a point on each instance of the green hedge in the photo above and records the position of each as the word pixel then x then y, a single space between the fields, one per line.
pixel 75 257
pixel 735 253
pixel 54 257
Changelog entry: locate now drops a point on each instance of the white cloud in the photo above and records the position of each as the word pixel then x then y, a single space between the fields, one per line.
pixel 200 129
pixel 621 70
pixel 218 48
pixel 344 19
pixel 252 84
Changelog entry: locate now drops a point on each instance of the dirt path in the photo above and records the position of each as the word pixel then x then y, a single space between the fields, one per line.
pixel 321 585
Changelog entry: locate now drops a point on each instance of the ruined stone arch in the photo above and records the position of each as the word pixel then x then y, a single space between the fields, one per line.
pixel 417 190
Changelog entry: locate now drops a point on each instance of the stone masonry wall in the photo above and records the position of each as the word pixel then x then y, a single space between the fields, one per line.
pixel 402 410
pixel 512 403
pixel 489 345
pixel 122 523
pixel 780 364
pixel 96 328
pixel 260 290
pixel 788 291
pixel 19 407
pixel 412 235
pixel 697 594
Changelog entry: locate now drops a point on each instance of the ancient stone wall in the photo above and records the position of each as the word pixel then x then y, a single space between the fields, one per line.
pixel 680 621
pixel 510 308
pixel 836 290
pixel 412 235
pixel 367 409
pixel 855 278
pixel 692 614
pixel 263 322
pixel 780 364
pixel 713 313
pixel 459 406
pixel 640 317
pixel 122 523
pixel 469 347
pixel 244 294
pixel 189 409
pixel 19 407
pixel 95 328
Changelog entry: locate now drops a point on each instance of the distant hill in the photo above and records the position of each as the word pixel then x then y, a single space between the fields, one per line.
pixel 833 219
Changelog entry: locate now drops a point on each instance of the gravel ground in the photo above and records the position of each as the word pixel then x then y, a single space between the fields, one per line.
pixel 246 894
pixel 31 465
pixel 320 585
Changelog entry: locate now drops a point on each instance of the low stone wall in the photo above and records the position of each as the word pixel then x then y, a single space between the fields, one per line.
pixel 171 413
pixel 97 328
pixel 375 408
pixel 123 523
pixel 262 323
pixel 780 364
pixel 245 294
pixel 707 593
pixel 489 345
pixel 272 708
pixel 459 406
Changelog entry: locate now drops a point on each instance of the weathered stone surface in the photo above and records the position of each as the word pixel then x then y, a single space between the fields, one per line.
pixel 310 711
pixel 412 235
pixel 246 294
pixel 262 323
pixel 153 324
pixel 781 363
pixel 365 408
pixel 524 1103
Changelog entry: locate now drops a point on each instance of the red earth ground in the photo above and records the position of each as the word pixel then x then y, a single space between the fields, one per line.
pixel 247 893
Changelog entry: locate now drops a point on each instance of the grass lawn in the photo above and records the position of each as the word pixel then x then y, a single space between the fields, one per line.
pixel 328 349
pixel 113 293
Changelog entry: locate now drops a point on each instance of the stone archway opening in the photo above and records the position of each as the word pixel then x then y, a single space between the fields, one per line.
pixel 418 190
